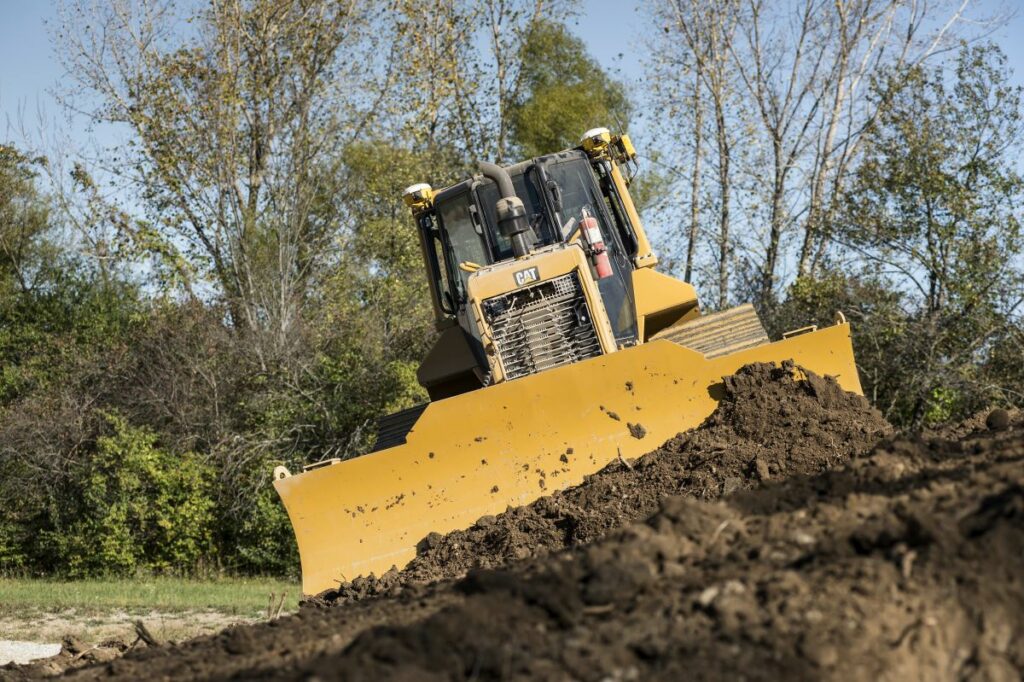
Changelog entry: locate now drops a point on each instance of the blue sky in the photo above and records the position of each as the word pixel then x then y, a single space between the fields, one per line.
pixel 28 69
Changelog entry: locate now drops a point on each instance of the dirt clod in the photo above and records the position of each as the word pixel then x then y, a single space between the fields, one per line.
pixel 998 419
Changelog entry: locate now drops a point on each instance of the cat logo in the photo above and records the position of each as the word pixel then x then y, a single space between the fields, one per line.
pixel 526 276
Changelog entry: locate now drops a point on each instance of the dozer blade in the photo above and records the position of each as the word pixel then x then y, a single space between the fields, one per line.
pixel 506 445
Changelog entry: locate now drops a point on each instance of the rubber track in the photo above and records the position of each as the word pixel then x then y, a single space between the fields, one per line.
pixel 719 333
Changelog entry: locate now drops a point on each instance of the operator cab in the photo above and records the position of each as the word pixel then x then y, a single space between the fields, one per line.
pixel 559 192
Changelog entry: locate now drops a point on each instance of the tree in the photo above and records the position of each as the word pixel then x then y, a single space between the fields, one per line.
pixel 564 93
pixel 467 68
pixel 934 207
pixel 234 125
pixel 510 25
pixel 24 223
pixel 784 84
pixel 696 41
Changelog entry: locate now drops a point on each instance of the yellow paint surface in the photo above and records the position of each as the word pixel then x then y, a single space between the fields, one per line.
pixel 483 451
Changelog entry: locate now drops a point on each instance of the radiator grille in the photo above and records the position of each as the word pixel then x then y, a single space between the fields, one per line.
pixel 542 326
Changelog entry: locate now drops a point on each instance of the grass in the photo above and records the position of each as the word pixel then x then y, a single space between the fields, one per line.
pixel 100 609
pixel 242 596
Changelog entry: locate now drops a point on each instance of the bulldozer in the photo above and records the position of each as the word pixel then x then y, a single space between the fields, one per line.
pixel 560 348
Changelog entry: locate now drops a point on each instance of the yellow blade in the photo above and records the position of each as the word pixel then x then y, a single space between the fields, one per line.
pixel 506 445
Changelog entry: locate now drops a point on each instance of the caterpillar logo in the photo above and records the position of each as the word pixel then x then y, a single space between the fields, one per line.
pixel 526 276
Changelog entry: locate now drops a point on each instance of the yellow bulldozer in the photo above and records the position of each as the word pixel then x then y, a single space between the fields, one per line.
pixel 560 348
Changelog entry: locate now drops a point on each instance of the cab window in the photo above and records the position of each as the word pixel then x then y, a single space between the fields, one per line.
pixel 435 261
pixel 540 232
pixel 466 244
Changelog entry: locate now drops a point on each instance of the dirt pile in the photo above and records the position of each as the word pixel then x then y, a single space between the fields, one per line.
pixel 848 560
pixel 907 564
pixel 767 426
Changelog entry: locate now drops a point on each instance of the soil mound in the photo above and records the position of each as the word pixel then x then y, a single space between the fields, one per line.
pixel 909 566
pixel 846 562
pixel 768 425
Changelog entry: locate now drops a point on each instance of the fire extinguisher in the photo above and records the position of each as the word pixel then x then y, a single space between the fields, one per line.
pixel 598 253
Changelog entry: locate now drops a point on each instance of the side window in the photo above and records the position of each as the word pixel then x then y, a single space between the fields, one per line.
pixel 447 293
pixel 467 245
pixel 439 272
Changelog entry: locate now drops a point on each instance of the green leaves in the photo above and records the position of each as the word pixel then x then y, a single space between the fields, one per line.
pixel 131 506
pixel 564 93
pixel 932 220
pixel 937 194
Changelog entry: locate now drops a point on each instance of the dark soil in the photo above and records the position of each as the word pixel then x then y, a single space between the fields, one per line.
pixel 908 564
pixel 777 542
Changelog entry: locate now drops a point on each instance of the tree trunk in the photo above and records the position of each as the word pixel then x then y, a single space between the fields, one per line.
pixel 775 222
pixel 698 153
pixel 723 215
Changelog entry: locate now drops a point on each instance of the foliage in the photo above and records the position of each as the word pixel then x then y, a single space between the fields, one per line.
pixel 935 206
pixel 877 318
pixel 765 105
pixel 933 287
pixel 129 505
pixel 254 296
pixel 235 126
pixel 24 221
pixel 565 93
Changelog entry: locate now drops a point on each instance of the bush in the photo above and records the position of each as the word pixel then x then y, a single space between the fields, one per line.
pixel 129 506
pixel 918 368
pixel 265 542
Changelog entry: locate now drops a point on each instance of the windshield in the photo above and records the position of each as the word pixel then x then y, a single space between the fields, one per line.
pixel 527 189
pixel 579 194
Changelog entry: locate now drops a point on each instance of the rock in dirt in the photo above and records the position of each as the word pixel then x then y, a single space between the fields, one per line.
pixel 998 419
pixel 13 651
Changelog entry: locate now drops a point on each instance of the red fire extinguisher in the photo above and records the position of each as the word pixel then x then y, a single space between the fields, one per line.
pixel 598 253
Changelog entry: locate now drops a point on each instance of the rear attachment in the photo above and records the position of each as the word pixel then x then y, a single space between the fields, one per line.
pixel 506 445
pixel 721 333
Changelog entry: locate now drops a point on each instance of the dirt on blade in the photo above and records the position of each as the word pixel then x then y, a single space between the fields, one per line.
pixel 792 536
pixel 767 426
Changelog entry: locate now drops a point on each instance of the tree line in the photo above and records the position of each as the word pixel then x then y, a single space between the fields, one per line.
pixel 234 282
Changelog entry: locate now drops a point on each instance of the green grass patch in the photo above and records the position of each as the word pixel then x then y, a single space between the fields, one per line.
pixel 241 596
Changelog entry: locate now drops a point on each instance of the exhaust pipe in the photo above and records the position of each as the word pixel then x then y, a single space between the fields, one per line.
pixel 512 222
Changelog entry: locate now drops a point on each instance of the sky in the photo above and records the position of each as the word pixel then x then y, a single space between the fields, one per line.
pixel 612 29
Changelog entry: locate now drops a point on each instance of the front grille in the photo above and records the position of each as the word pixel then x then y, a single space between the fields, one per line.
pixel 542 326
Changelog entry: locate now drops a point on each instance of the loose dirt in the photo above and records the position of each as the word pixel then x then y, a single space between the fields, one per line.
pixel 781 539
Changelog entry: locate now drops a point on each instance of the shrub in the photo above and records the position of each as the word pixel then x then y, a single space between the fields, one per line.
pixel 131 506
